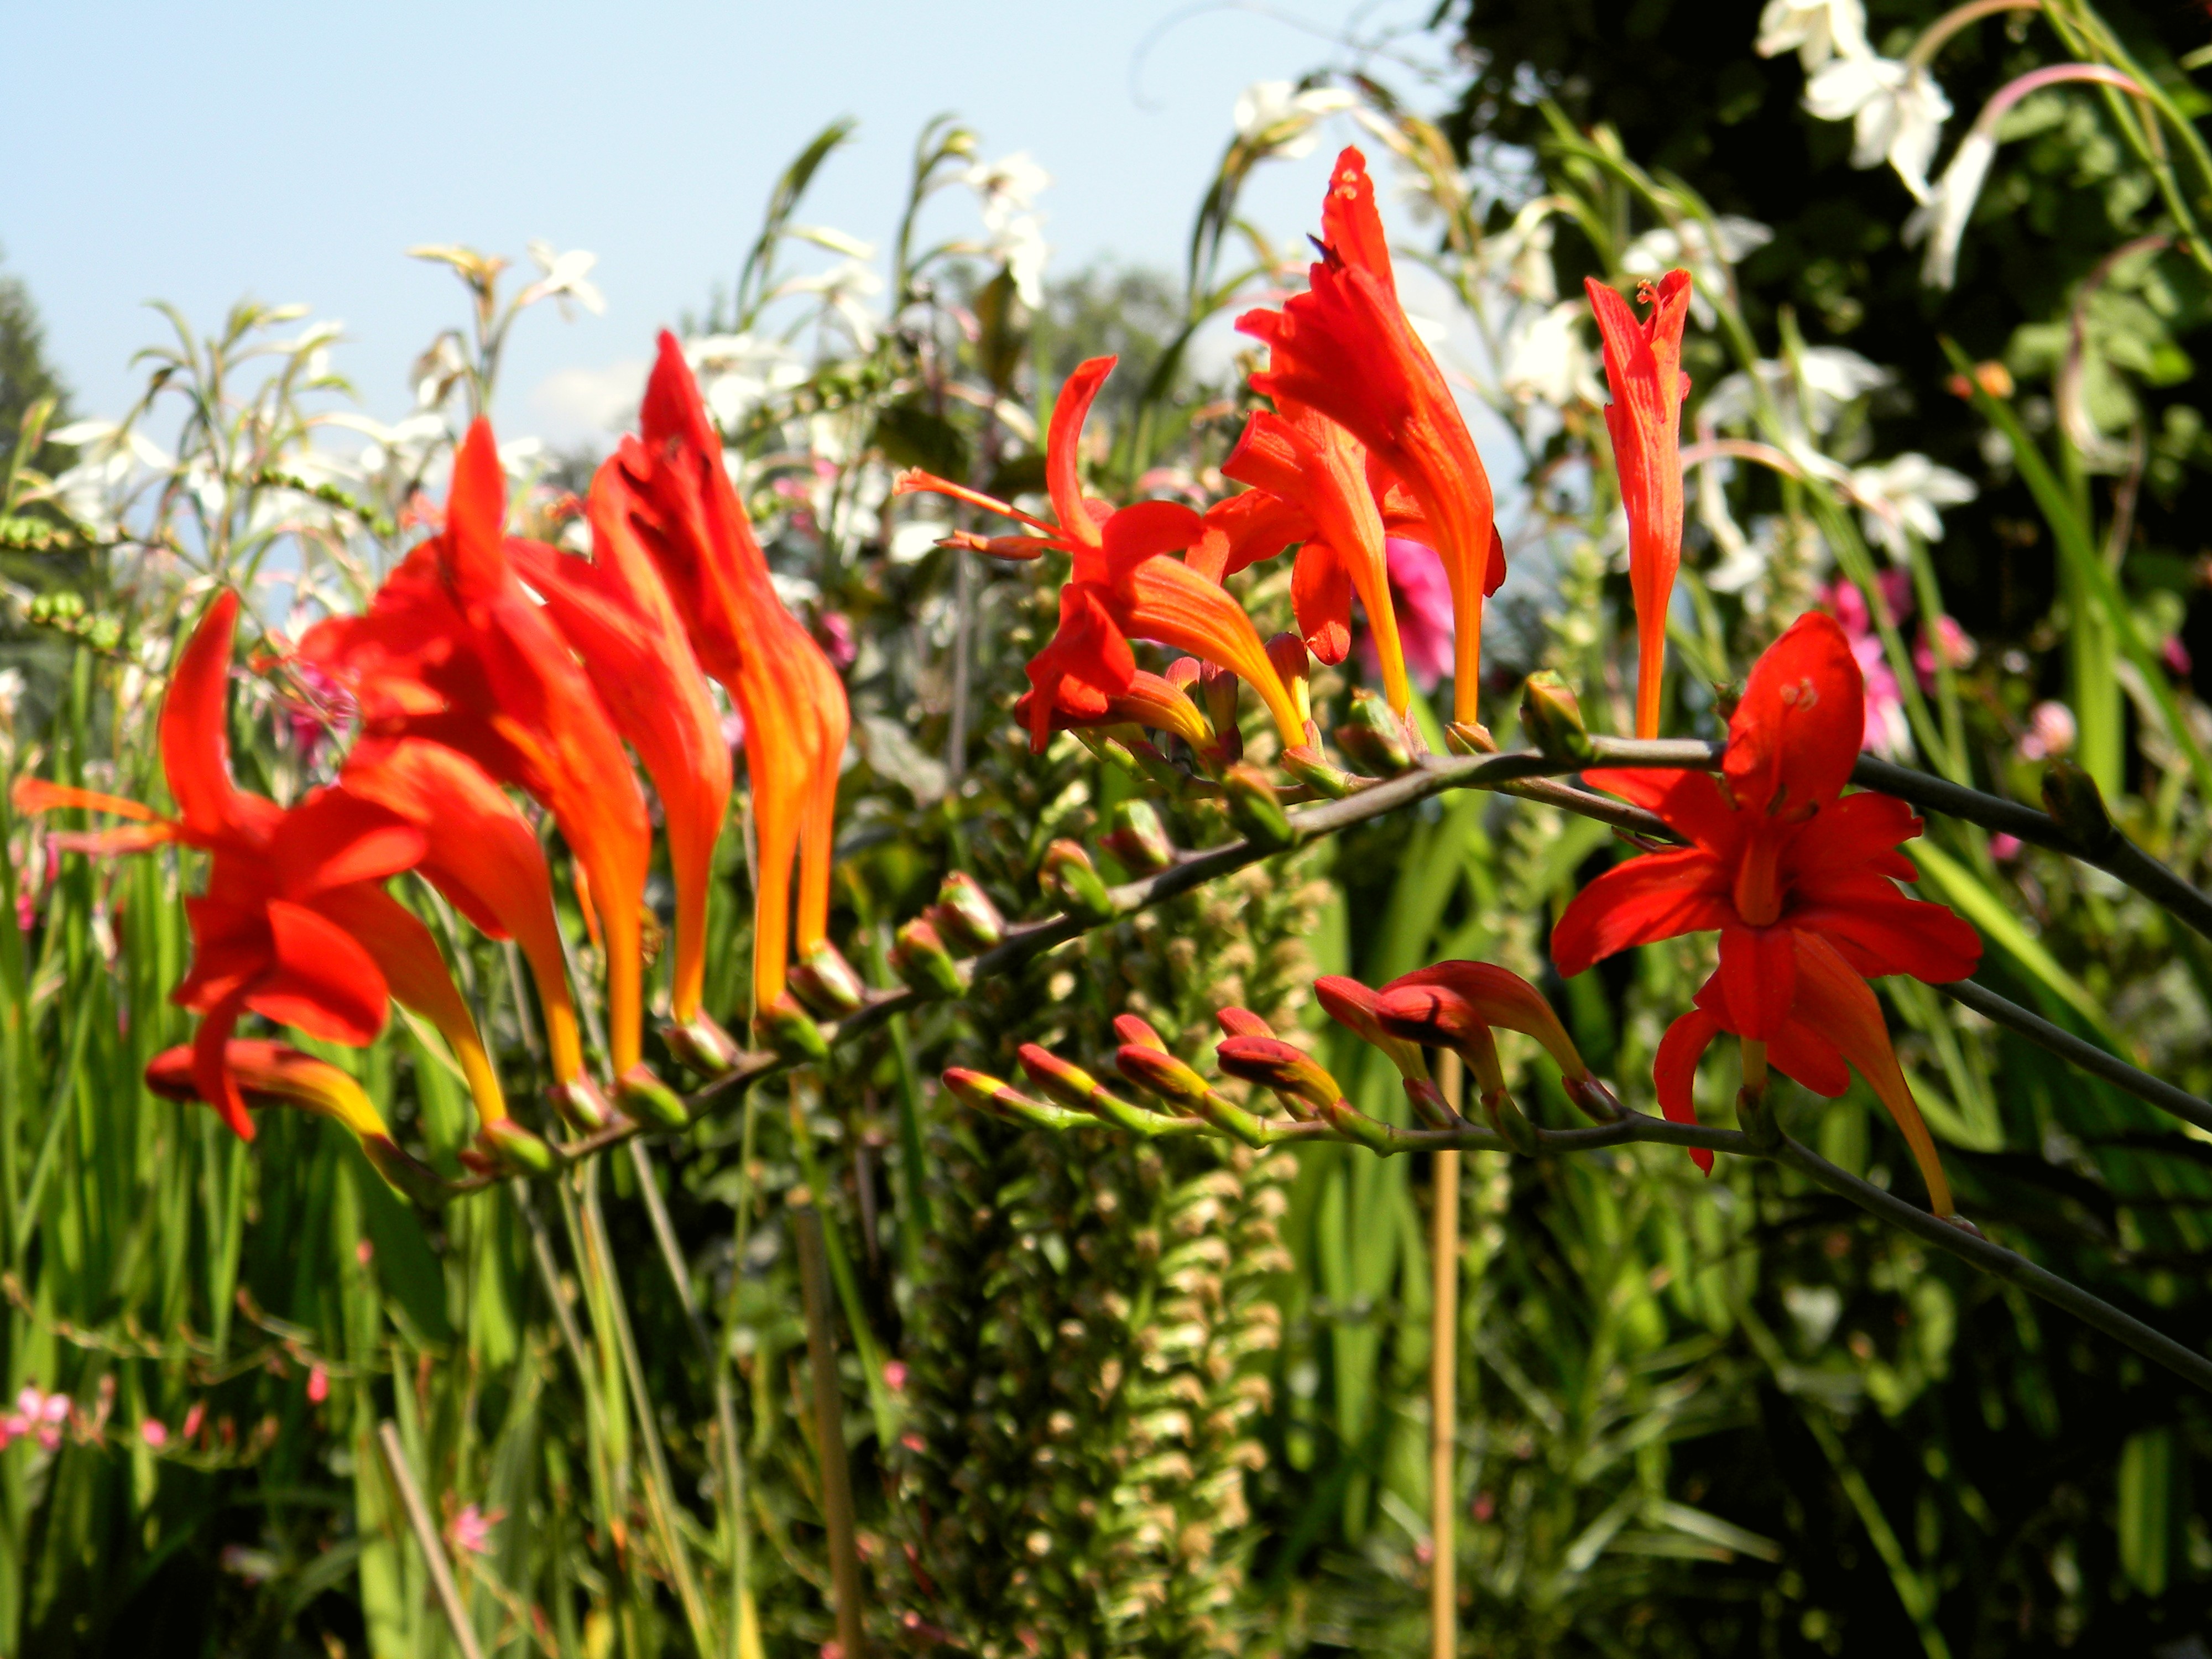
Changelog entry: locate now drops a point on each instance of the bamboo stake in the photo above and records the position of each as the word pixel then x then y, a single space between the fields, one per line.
pixel 1443 1390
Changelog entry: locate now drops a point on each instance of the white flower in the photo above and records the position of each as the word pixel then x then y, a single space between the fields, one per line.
pixel 1896 109
pixel 1008 186
pixel 1902 496
pixel 563 279
pixel 12 686
pixel 1521 254
pixel 842 287
pixel 1831 378
pixel 1943 217
pixel 1545 359
pixel 1818 29
pixel 1273 119
pixel 1657 251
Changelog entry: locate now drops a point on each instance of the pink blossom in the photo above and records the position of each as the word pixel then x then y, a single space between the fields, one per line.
pixel 472 1530
pixel 39 1415
pixel 1421 595
pixel 895 1375
pixel 319 1384
pixel 364 1252
pixel 153 1432
pixel 193 1419
pixel 1951 646
pixel 834 632
pixel 2004 848
pixel 2051 731
pixel 1887 732
pixel 2176 655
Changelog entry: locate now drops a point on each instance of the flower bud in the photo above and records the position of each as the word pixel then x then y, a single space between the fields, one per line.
pixel 2071 796
pixel 1520 1133
pixel 825 982
pixel 581 1105
pixel 1161 1073
pixel 701 1045
pixel 986 1094
pixel 1306 765
pixel 1128 1028
pixel 1242 1022
pixel 790 1031
pixel 918 957
pixel 1498 997
pixel 1218 687
pixel 1352 1006
pixel 1469 737
pixel 1439 1017
pixel 1139 840
pixel 1375 737
pixel 1070 1085
pixel 1256 809
pixel 1302 1081
pixel 1553 719
pixel 1069 876
pixel 512 1150
pixel 650 1101
pixel 1726 693
pixel 965 917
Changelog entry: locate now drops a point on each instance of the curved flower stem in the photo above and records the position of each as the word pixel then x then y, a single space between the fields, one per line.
pixel 1932 40
pixel 2077 1051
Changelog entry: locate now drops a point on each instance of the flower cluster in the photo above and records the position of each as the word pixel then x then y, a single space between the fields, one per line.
pixel 485 664
pixel 1363 459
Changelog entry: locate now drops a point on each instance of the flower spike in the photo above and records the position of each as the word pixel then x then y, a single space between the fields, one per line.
pixel 1345 349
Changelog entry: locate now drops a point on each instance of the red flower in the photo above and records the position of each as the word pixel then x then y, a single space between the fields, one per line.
pixel 1799 880
pixel 615 610
pixel 1312 482
pixel 1644 367
pixel 454 649
pixel 481 852
pixel 1123 586
pixel 1345 349
pixel 294 925
pixel 668 488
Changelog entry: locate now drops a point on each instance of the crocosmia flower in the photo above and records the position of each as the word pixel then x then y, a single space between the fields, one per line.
pixel 1644 367
pixel 1799 879
pixel 1124 587
pixel 1345 349
pixel 667 488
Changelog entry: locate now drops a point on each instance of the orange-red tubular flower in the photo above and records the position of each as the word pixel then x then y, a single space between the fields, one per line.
pixel 616 610
pixel 1123 586
pixel 1345 349
pixel 1799 880
pixel 453 650
pixel 669 489
pixel 480 852
pixel 1644 367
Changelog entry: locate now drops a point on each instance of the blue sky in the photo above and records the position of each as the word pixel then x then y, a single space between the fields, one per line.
pixel 292 152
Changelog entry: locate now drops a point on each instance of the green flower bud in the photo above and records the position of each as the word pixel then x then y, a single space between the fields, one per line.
pixel 964 916
pixel 826 983
pixel 1069 876
pixel 652 1102
pixel 1553 719
pixel 1256 809
pixel 918 957
pixel 1375 737
pixel 1139 840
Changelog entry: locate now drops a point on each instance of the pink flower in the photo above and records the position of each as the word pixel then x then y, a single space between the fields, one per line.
pixel 193 1419
pixel 2177 656
pixel 1887 730
pixel 364 1252
pixel 1421 594
pixel 2004 848
pixel 2051 731
pixel 153 1432
pixel 1956 647
pixel 319 1384
pixel 834 634
pixel 895 1375
pixel 472 1530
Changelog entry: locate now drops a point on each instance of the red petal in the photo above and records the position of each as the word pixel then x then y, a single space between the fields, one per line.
pixel 1889 933
pixel 1320 596
pixel 1799 1051
pixel 1759 977
pixel 1837 1003
pixel 195 726
pixel 211 1072
pixel 1147 528
pixel 1794 736
pixel 1063 478
pixel 320 979
pixel 333 838
pixel 1659 895
pixel 1351 226
pixel 1244 530
pixel 1690 802
pixel 1083 666
pixel 1674 1072
pixel 1858 831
